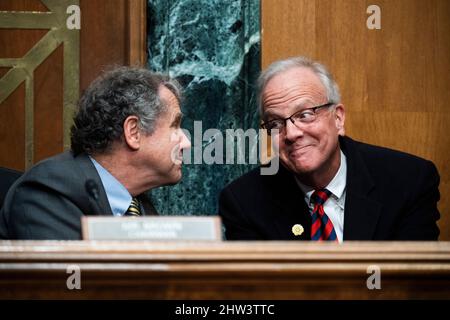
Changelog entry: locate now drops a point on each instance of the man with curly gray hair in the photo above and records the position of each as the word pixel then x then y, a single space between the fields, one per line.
pixel 125 140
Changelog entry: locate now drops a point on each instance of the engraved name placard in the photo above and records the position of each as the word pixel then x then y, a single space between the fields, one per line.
pixel 152 228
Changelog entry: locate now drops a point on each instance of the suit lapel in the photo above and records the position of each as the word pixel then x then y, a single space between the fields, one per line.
pixel 361 211
pixel 289 207
pixel 87 171
pixel 149 209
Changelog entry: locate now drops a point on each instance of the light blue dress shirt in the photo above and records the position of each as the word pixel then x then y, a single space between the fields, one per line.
pixel 118 196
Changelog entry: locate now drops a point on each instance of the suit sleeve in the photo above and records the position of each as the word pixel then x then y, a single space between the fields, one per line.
pixel 420 219
pixel 35 211
pixel 233 218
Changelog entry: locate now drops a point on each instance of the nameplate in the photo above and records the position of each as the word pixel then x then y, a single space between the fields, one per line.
pixel 159 228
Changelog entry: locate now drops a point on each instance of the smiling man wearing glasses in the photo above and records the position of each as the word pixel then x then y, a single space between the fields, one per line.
pixel 329 187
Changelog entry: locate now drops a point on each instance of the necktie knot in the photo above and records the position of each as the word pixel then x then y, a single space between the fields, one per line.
pixel 134 209
pixel 320 196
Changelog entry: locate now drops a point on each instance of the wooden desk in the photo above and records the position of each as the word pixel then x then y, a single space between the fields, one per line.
pixel 224 270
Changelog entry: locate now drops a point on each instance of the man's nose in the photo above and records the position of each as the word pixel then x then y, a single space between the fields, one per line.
pixel 292 131
pixel 185 142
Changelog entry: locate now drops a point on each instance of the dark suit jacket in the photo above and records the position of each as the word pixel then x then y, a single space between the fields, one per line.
pixel 7 178
pixel 390 195
pixel 48 201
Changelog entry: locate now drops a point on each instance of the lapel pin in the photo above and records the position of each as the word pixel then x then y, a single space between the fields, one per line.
pixel 297 229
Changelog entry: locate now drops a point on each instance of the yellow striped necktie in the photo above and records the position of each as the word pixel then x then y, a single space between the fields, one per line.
pixel 134 210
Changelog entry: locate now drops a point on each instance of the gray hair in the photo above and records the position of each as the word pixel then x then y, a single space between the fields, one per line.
pixel 110 99
pixel 277 67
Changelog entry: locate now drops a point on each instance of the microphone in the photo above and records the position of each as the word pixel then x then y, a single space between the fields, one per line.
pixel 92 189
pixel 94 193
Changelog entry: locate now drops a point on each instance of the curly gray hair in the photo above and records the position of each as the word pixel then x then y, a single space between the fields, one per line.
pixel 110 99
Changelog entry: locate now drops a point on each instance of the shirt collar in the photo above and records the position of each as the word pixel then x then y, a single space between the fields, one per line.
pixel 118 196
pixel 336 185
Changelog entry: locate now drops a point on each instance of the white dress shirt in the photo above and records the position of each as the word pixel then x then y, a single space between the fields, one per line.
pixel 334 206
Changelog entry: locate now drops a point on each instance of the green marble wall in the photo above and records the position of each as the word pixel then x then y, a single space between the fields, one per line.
pixel 213 48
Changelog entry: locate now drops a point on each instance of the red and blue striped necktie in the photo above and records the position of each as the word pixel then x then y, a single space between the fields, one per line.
pixel 322 228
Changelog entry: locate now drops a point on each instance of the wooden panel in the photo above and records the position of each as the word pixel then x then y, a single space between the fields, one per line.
pixel 12 128
pixel 48 114
pixel 22 5
pixel 394 81
pixel 12 115
pixel 137 33
pixel 224 270
pixel 102 37
pixel 112 33
pixel 287 29
pixel 4 70
pixel 28 39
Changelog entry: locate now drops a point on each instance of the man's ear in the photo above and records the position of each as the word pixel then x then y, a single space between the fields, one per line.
pixel 131 132
pixel 339 115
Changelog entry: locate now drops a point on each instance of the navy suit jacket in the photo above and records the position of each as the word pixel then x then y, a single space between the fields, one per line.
pixel 390 195
pixel 48 201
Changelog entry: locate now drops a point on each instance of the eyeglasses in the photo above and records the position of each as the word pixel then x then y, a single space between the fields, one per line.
pixel 303 116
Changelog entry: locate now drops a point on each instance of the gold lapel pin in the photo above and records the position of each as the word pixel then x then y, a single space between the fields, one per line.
pixel 297 229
